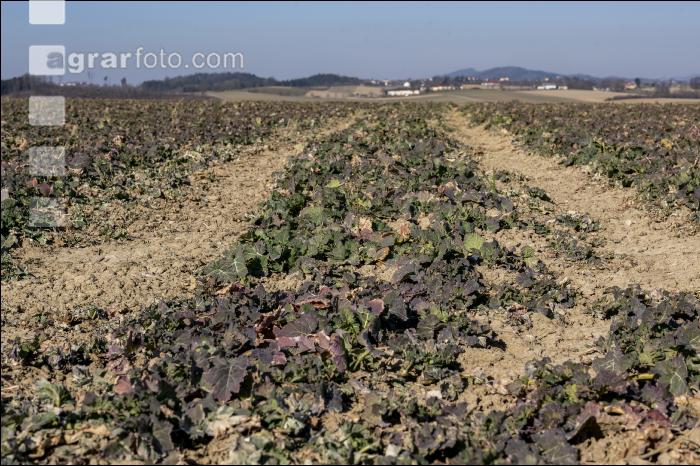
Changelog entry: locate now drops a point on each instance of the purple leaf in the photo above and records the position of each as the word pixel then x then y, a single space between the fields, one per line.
pixel 338 353
pixel 376 306
pixel 224 377
pixel 304 325
pixel 123 385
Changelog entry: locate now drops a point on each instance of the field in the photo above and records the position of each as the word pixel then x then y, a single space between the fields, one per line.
pixel 345 93
pixel 319 281
pixel 460 97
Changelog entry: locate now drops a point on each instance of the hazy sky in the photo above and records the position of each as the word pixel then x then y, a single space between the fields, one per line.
pixel 389 40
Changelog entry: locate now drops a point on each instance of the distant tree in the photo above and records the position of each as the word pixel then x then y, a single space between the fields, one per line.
pixel 574 82
pixel 663 89
pixel 26 83
pixel 123 82
pixel 616 85
pixel 208 82
pixel 695 83
pixel 638 82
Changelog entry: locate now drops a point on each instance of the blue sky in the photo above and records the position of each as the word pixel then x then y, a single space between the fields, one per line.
pixel 384 40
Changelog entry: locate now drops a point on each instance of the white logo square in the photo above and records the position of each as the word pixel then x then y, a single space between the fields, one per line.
pixel 47 12
pixel 47 60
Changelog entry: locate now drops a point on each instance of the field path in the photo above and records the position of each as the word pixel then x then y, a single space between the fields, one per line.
pixel 657 254
pixel 168 246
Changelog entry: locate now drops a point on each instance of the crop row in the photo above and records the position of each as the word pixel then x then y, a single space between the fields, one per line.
pixel 655 148
pixel 128 151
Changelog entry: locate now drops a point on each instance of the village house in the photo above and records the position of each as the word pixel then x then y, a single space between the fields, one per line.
pixel 402 92
pixel 490 84
pixel 441 88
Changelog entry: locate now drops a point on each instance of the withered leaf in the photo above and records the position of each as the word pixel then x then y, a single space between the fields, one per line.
pixel 223 379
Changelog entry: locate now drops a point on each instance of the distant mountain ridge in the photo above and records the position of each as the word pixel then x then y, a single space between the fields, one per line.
pixel 514 73
pixel 518 73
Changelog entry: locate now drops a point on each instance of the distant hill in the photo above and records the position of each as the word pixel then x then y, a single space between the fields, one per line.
pixel 514 73
pixel 323 80
pixel 517 73
pixel 193 83
pixel 230 81
pixel 463 73
pixel 686 78
pixel 207 82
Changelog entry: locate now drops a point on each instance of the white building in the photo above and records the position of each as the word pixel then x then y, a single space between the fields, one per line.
pixel 547 87
pixel 441 88
pixel 402 92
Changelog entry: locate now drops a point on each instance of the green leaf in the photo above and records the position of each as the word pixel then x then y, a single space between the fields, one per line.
pixel 675 373
pixel 313 213
pixel 473 241
pixel 9 241
pixel 238 264
pixel 54 393
pixel 529 256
